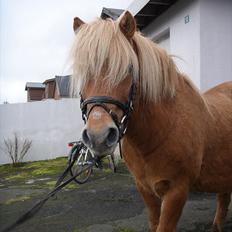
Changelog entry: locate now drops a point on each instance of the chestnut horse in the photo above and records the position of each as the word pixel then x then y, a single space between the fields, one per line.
pixel 175 140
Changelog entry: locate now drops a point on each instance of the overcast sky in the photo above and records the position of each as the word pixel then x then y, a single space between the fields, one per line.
pixel 36 37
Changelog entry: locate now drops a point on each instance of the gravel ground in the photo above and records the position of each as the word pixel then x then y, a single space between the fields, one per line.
pixel 107 203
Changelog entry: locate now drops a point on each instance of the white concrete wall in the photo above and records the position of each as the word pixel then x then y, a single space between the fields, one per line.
pixel 184 37
pixel 216 42
pixel 49 124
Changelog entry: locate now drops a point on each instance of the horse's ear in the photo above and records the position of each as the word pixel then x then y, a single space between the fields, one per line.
pixel 127 24
pixel 77 22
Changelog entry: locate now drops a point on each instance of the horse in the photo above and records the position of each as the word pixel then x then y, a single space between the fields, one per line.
pixel 174 139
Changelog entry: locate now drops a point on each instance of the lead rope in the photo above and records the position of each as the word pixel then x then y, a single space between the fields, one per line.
pixel 52 193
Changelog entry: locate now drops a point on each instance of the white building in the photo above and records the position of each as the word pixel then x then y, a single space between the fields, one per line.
pixel 199 32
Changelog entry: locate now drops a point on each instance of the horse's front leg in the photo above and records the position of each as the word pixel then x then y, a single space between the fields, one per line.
pixel 173 196
pixel 223 201
pixel 153 204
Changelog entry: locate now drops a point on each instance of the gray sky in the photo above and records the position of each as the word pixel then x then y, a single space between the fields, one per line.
pixel 36 37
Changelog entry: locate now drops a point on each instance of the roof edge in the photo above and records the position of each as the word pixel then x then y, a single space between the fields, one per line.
pixel 136 6
pixel 34 85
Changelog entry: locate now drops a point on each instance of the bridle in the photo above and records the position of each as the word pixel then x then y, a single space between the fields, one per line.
pixel 103 100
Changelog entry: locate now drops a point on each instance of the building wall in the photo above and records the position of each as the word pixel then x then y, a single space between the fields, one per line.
pixel 50 87
pixel 35 94
pixel 184 37
pixel 216 42
pixel 57 95
pixel 49 124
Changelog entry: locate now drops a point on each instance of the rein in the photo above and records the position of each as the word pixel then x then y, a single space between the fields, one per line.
pixel 58 186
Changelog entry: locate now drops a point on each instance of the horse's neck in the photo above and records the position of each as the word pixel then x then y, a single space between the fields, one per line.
pixel 151 123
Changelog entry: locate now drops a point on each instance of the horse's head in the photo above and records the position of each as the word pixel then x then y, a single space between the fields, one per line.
pixel 106 65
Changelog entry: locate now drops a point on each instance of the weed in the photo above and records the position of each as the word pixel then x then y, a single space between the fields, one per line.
pixel 124 229
pixel 17 199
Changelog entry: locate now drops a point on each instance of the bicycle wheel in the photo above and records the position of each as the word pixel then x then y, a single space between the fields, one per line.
pixel 83 159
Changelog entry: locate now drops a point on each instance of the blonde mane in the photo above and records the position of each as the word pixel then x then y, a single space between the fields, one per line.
pixel 102 44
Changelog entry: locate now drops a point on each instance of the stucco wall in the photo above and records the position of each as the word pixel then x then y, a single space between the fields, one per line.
pixel 204 43
pixel 216 42
pixel 49 124
pixel 184 37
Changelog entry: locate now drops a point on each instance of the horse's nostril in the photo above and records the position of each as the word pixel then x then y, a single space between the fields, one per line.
pixel 105 139
pixel 85 137
pixel 112 137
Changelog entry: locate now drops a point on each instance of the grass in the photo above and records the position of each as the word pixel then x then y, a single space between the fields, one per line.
pixel 43 175
pixel 41 169
pixel 124 229
pixel 118 229
pixel 80 230
pixel 29 170
pixel 51 184
pixel 17 199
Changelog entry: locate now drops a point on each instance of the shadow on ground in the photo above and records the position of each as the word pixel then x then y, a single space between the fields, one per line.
pixel 107 203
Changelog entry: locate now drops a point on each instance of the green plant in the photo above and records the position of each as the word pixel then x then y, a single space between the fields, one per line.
pixel 123 229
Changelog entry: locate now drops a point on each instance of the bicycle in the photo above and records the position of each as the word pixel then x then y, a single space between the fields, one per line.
pixel 83 157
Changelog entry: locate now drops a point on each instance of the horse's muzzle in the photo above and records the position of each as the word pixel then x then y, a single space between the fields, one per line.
pixel 101 142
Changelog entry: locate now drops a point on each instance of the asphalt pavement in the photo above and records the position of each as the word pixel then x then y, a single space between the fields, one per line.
pixel 107 203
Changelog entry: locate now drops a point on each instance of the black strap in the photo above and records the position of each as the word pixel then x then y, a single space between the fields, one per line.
pixel 29 214
pixel 103 99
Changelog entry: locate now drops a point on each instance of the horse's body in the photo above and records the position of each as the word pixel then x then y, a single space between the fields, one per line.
pixel 216 165
pixel 188 140
pixel 187 135
pixel 177 140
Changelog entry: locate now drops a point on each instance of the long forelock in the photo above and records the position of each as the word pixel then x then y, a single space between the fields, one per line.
pixel 101 45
